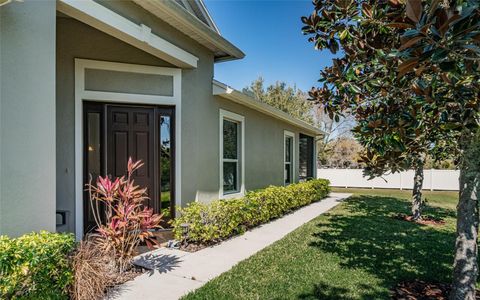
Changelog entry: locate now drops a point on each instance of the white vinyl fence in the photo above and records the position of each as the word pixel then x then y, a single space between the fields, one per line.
pixel 446 180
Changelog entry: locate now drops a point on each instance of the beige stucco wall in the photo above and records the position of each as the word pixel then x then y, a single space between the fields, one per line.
pixel 0 121
pixel 200 124
pixel 77 40
pixel 264 149
pixel 37 121
pixel 196 102
pixel 27 117
pixel 199 115
pixel 264 146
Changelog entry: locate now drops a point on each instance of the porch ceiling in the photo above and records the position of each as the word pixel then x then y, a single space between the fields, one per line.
pixel 140 36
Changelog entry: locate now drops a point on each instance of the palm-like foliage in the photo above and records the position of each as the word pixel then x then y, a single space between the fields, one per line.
pixel 123 221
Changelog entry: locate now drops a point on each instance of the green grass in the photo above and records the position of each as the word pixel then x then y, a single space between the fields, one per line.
pixel 444 199
pixel 356 251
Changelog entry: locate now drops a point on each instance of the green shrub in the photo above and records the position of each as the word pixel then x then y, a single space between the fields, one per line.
pixel 220 219
pixel 36 266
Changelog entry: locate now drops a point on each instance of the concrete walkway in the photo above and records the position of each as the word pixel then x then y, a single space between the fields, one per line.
pixel 177 272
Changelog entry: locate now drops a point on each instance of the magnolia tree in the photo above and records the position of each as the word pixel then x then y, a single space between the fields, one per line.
pixel 388 149
pixel 391 143
pixel 409 73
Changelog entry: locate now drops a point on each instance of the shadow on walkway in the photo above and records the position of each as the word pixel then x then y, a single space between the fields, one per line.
pixel 157 262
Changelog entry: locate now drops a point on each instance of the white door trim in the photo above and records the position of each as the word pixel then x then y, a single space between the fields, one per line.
pixel 82 95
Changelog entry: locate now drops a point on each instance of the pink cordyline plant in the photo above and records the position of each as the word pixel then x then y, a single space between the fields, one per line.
pixel 123 221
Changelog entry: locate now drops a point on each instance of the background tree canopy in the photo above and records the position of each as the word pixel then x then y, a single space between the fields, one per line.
pixel 286 98
pixel 295 102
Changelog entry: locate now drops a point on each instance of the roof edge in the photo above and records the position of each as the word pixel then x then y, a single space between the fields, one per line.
pixel 208 16
pixel 161 8
pixel 222 90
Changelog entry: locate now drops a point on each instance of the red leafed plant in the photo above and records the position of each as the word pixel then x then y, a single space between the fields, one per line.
pixel 123 221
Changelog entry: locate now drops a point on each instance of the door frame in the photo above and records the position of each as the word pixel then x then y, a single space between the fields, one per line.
pixel 103 108
pixel 82 94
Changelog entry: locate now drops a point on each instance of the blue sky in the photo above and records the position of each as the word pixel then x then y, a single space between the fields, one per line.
pixel 269 33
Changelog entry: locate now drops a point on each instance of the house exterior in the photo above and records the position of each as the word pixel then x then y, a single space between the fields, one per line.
pixel 86 84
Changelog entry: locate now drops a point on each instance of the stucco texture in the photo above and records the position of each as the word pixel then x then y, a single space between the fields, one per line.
pixel 264 135
pixel 264 148
pixel 27 117
pixel 77 40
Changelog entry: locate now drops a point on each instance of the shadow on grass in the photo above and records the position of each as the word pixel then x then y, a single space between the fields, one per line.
pixel 328 292
pixel 366 237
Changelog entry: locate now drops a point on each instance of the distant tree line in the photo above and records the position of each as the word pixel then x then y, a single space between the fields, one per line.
pixel 337 148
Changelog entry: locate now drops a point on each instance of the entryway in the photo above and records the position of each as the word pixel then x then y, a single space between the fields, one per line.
pixel 115 132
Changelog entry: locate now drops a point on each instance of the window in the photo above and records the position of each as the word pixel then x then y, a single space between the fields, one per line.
pixel 289 157
pixel 306 157
pixel 167 130
pixel 230 156
pixel 231 153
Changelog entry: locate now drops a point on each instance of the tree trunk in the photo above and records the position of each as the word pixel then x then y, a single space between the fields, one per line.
pixel 465 267
pixel 417 192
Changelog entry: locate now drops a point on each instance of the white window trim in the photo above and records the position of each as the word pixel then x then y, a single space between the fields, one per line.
pixel 81 95
pixel 286 134
pixel 228 115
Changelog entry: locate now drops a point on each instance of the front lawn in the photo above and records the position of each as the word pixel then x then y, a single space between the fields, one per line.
pixel 356 251
pixel 443 199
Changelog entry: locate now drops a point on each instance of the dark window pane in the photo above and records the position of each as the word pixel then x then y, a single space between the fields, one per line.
pixel 230 139
pixel 288 149
pixel 306 157
pixel 288 173
pixel 230 182
pixel 93 160
pixel 165 166
pixel 93 144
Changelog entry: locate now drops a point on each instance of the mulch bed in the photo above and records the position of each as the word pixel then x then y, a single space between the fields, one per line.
pixel 129 274
pixel 426 220
pixel 192 247
pixel 421 290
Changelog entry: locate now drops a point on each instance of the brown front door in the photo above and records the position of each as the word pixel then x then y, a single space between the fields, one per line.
pixel 130 133
pixel 113 133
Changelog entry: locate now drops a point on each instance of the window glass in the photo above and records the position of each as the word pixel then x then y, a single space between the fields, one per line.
pixel 288 173
pixel 93 141
pixel 306 157
pixel 288 159
pixel 230 139
pixel 165 166
pixel 230 180
pixel 288 149
pixel 93 144
pixel 231 156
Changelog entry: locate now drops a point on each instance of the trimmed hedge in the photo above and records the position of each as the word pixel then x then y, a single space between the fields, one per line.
pixel 36 266
pixel 220 219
